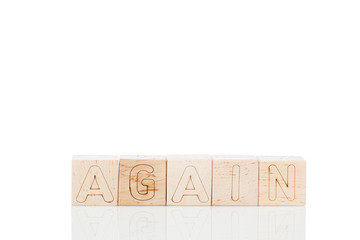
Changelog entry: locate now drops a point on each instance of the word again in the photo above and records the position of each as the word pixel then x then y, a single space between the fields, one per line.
pixel 188 180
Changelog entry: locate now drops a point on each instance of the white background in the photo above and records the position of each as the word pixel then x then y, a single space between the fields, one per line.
pixel 164 77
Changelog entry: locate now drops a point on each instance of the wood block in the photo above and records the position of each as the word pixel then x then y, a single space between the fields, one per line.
pixel 189 180
pixel 235 180
pixel 142 180
pixel 95 180
pixel 282 181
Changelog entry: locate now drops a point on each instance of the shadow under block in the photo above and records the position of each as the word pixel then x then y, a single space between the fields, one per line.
pixel 189 180
pixel 95 180
pixel 142 180
pixel 235 181
pixel 282 181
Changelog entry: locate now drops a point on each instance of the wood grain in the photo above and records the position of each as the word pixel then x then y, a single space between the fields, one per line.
pixel 282 181
pixel 235 180
pixel 95 180
pixel 142 180
pixel 189 180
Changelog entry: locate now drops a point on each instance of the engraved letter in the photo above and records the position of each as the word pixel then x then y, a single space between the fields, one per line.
pixel 287 185
pixel 95 185
pixel 141 187
pixel 235 186
pixel 190 185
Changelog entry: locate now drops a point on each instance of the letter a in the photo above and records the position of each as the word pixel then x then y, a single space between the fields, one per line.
pixel 95 185
pixel 190 185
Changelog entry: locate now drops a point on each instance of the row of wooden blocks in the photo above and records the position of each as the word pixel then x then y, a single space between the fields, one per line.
pixel 188 180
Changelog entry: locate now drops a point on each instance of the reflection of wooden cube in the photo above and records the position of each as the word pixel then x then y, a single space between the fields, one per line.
pixel 189 180
pixel 142 180
pixel 94 223
pixel 140 223
pixel 282 223
pixel 95 180
pixel 188 223
pixel 236 223
pixel 235 180
pixel 282 181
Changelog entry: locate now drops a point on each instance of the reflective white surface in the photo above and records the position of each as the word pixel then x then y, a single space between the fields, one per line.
pixel 188 223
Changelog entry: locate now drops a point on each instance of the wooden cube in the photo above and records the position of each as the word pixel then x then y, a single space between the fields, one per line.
pixel 282 181
pixel 189 180
pixel 235 180
pixel 95 180
pixel 142 180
